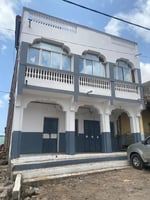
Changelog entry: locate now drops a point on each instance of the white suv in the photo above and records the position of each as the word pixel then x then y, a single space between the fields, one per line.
pixel 139 153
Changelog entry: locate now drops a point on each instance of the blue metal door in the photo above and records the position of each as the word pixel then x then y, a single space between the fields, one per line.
pixel 50 135
pixel 92 140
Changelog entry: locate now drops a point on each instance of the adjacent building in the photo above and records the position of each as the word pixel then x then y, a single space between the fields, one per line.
pixel 146 112
pixel 74 89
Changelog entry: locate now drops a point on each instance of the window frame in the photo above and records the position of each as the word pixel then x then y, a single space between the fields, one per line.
pixel 30 54
pixel 122 68
pixel 61 53
pixel 98 60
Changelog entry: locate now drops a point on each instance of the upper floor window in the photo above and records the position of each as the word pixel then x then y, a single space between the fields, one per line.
pixel 123 71
pixel 49 55
pixel 93 65
pixel 33 56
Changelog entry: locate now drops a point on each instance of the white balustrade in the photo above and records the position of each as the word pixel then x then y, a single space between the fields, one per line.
pixel 127 91
pixel 45 74
pixel 48 78
pixel 94 82
pixel 125 87
pixel 98 86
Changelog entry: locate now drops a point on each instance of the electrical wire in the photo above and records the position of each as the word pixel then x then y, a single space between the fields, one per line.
pixel 107 15
pixel 81 44
pixel 7 29
pixel 88 46
pixel 4 92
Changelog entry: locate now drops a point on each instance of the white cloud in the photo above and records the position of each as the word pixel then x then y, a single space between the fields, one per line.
pixel 6 97
pixel 8 12
pixel 7 19
pixel 145 71
pixel 1 103
pixel 139 15
pixel 111 1
pixel 113 27
pixel 3 48
pixel 25 2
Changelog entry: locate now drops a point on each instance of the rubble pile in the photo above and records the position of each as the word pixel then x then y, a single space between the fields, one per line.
pixel 6 184
pixel 3 160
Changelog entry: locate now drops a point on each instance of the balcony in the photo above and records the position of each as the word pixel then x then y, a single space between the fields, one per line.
pixel 127 91
pixel 98 86
pixel 60 80
pixel 47 78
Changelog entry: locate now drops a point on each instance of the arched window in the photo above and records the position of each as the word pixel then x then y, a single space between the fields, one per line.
pixel 123 71
pixel 49 55
pixel 92 64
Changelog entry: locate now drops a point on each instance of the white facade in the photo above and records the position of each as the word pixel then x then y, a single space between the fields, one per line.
pixel 76 37
pixel 97 79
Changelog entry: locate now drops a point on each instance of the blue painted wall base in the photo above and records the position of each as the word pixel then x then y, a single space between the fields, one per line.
pixel 106 142
pixel 15 144
pixel 136 137
pixel 70 142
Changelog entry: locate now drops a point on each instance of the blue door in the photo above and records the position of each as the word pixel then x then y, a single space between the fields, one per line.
pixel 92 139
pixel 50 135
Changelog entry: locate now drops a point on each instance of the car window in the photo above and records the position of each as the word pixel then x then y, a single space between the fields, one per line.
pixel 148 141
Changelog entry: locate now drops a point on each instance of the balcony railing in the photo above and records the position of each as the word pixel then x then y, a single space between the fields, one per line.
pixel 127 91
pixel 98 86
pixel 49 78
pixel 60 80
pixel 94 82
pixel 125 87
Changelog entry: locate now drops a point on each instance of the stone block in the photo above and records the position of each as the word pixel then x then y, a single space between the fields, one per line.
pixel 17 188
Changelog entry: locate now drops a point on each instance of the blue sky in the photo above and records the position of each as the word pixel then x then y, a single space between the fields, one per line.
pixel 136 11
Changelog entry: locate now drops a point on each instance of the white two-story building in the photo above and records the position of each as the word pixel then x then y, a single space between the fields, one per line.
pixel 74 89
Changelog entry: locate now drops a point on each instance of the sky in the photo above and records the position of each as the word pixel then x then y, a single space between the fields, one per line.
pixel 135 11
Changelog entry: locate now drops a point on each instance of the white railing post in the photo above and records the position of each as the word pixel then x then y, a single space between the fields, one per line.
pixel 35 75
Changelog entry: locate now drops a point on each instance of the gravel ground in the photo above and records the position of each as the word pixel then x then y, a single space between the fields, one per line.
pixel 121 184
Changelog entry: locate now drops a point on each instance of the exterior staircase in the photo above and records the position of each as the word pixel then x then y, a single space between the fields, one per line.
pixel 38 167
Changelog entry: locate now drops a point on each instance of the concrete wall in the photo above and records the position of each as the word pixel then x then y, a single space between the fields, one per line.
pixel 30 110
pixel 34 114
pixel 146 122
pixel 77 38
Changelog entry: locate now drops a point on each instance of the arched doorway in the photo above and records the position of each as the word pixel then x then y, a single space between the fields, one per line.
pixel 87 130
pixel 120 130
pixel 43 123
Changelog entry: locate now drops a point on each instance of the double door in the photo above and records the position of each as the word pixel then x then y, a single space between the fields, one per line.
pixel 92 139
pixel 50 135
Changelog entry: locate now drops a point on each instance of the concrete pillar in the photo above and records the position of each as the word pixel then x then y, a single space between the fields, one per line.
pixel 135 128
pixel 14 150
pixel 70 132
pixel 115 146
pixel 18 119
pixel 115 127
pixel 141 127
pixel 106 134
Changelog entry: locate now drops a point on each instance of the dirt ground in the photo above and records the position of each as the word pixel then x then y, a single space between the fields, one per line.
pixel 112 185
pixel 124 184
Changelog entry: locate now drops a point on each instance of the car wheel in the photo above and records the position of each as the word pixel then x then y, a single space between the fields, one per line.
pixel 136 161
